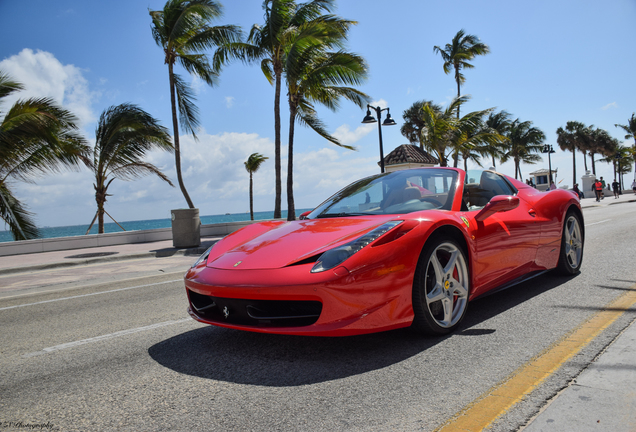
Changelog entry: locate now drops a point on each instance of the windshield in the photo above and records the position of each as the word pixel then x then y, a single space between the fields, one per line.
pixel 393 193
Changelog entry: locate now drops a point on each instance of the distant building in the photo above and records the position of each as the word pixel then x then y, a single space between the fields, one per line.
pixel 408 156
pixel 540 178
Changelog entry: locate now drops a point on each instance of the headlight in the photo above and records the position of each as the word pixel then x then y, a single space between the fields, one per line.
pixel 203 257
pixel 333 257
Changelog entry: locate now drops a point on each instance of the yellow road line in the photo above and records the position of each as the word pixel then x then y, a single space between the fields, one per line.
pixel 499 399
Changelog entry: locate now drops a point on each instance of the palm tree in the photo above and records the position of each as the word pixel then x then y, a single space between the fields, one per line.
pixel 523 145
pixel 472 138
pixel 182 30
pixel 36 137
pixel 620 157
pixel 571 139
pixel 457 55
pixel 498 123
pixel 315 76
pixel 124 134
pixel 630 129
pixel 270 43
pixel 600 142
pixel 252 164
pixel 413 123
pixel 438 127
pixel 443 135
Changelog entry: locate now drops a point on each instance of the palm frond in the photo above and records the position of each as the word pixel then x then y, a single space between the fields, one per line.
pixel 254 162
pixel 124 135
pixel 312 10
pixel 197 65
pixel 16 216
pixel 37 136
pixel 308 118
pixel 188 111
pixel 137 170
pixel 7 85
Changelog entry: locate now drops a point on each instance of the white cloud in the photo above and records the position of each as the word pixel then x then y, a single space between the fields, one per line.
pixel 346 136
pixel 45 76
pixel 229 101
pixel 379 103
pixel 610 105
pixel 197 85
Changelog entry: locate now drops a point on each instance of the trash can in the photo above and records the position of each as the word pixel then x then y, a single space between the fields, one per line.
pixel 186 228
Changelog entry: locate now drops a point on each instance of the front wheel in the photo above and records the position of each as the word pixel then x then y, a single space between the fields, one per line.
pixel 571 255
pixel 440 287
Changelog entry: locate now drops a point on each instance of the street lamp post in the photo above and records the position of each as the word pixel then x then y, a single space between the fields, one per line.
pixel 387 122
pixel 547 148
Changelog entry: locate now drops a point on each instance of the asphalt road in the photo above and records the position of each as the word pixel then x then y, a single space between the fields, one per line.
pixel 120 353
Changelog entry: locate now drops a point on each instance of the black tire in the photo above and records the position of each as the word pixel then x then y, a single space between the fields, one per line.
pixel 572 241
pixel 440 287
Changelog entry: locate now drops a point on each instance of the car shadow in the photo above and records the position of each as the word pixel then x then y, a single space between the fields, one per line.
pixel 279 360
pixel 194 251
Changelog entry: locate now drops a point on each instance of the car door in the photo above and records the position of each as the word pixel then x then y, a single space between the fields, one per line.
pixel 505 243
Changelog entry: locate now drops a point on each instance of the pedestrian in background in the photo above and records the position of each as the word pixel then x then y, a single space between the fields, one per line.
pixel 634 186
pixel 598 189
pixel 603 190
pixel 577 190
pixel 615 187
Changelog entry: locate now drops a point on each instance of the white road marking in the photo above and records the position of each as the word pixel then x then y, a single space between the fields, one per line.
pixel 88 295
pixel 596 223
pixel 104 337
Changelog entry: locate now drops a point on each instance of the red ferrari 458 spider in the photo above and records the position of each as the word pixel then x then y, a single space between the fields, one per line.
pixel 407 248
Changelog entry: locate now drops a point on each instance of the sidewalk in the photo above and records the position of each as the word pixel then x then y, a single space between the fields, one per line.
pixel 601 398
pixel 76 257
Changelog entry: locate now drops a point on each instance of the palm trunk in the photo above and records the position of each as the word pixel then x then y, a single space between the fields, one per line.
pixel 251 199
pixel 291 209
pixel 277 201
pixel 100 198
pixel 458 90
pixel 177 147
pixel 634 155
pixel 593 164
pixel 573 167
pixel 584 160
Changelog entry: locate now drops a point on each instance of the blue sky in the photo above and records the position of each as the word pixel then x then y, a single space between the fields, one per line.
pixel 550 62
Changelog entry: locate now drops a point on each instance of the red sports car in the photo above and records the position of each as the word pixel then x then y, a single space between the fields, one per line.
pixel 407 248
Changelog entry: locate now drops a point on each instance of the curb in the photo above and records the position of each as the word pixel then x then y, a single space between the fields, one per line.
pixel 163 253
pixel 595 204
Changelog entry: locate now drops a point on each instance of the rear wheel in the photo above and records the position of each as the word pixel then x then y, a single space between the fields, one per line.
pixel 571 255
pixel 440 287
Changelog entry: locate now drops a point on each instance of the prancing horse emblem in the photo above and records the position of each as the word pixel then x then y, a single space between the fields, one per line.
pixel 465 221
pixel 237 263
pixel 226 312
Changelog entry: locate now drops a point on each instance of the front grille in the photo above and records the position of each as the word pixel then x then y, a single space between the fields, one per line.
pixel 258 313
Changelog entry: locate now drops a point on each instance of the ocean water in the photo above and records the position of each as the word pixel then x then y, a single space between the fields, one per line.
pixel 79 230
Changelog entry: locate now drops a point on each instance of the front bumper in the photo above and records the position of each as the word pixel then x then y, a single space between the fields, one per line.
pixel 292 300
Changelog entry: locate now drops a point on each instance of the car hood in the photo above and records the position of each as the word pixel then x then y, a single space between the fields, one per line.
pixel 295 241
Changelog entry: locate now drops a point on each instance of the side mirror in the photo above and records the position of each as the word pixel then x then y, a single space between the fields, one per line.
pixel 499 203
pixel 304 215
